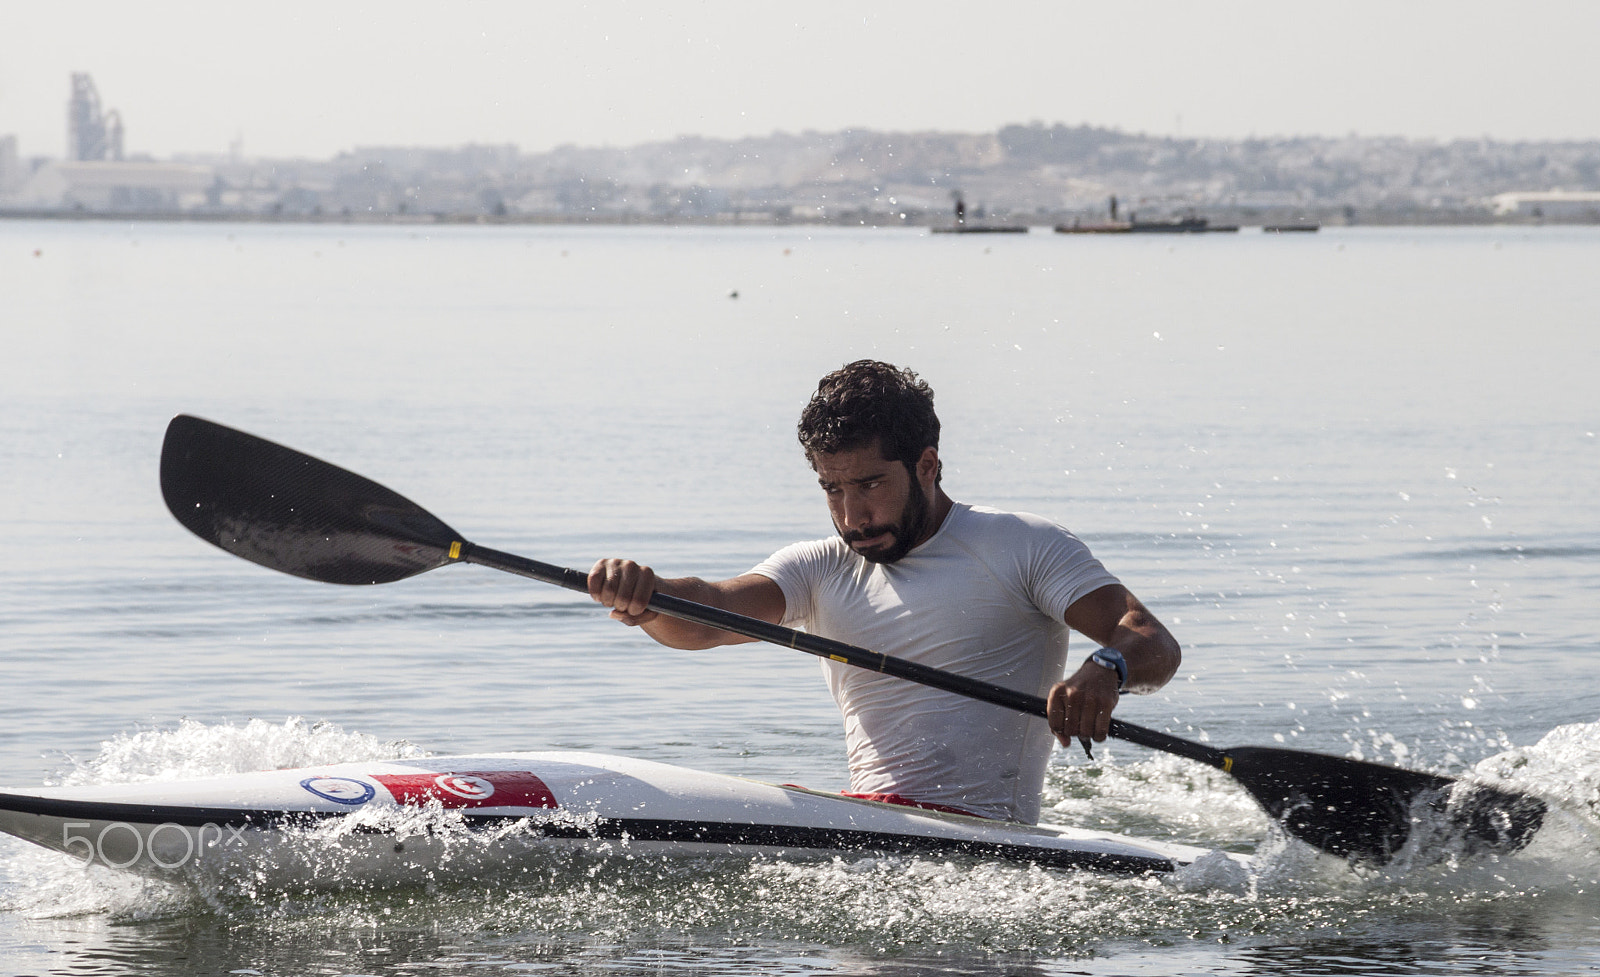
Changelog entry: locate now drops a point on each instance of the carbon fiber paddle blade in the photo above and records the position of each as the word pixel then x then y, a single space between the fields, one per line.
pixel 289 511
pixel 1365 812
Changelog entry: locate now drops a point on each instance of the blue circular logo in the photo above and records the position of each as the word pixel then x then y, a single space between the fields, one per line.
pixel 340 790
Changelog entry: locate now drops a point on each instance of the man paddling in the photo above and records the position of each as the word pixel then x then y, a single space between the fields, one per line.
pixel 914 574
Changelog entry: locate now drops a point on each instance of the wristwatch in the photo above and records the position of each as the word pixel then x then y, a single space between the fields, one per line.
pixel 1112 658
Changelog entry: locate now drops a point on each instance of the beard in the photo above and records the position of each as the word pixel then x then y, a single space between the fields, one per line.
pixel 905 533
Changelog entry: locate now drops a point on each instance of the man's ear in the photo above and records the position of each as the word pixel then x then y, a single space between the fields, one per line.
pixel 928 466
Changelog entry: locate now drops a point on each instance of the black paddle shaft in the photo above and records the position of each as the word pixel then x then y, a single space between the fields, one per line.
pixel 294 513
pixel 762 631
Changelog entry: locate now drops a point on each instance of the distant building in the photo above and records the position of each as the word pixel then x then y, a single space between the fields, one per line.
pixel 104 185
pixel 91 134
pixel 1557 204
pixel 11 175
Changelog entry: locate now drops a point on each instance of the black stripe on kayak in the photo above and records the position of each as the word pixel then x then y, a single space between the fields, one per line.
pixel 843 839
pixel 153 814
pixel 779 836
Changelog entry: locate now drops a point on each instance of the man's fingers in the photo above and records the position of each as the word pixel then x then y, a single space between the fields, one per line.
pixel 603 580
pixel 1056 710
pixel 1102 722
pixel 1077 711
pixel 639 585
pixel 1093 720
pixel 624 586
pixel 1072 715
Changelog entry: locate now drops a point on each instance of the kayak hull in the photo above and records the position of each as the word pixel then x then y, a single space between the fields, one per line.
pixel 399 820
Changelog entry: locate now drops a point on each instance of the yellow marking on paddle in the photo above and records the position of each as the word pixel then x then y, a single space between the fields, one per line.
pixel 455 550
pixel 1227 763
pixel 839 658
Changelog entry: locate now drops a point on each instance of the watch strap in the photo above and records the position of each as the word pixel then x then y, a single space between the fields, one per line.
pixel 1112 658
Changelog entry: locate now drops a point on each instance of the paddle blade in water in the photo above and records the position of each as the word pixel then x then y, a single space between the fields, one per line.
pixel 1365 811
pixel 292 512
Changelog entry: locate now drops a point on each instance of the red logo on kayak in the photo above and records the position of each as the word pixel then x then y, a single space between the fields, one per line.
pixel 476 788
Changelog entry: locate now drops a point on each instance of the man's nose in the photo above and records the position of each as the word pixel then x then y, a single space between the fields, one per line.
pixel 857 514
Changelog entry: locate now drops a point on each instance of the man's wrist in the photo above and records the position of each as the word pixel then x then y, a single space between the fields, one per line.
pixel 1112 659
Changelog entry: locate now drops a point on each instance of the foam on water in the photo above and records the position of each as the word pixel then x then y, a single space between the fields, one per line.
pixel 1155 796
pixel 874 905
pixel 192 749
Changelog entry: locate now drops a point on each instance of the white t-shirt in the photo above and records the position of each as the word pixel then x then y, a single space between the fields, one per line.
pixel 985 597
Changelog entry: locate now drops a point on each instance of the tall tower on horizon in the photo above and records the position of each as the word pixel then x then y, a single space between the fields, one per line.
pixel 91 135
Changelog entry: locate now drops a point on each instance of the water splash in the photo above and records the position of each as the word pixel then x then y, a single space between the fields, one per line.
pixel 37 884
pixel 1564 767
pixel 1158 796
pixel 1563 770
pixel 871 906
pixel 193 749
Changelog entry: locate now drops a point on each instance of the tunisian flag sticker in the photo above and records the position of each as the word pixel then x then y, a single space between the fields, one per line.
pixel 483 788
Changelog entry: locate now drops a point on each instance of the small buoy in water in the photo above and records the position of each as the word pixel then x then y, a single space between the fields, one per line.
pixel 733 294
pixel 38 252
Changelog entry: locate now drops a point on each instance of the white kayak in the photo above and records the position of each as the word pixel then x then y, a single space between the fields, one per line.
pixel 413 819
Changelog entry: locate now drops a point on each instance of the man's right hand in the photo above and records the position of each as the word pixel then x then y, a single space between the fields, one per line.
pixel 626 587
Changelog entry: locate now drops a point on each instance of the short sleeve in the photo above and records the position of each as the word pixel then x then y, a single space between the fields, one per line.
pixel 1061 570
pixel 799 569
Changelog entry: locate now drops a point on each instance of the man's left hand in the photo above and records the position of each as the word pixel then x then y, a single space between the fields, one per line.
pixel 1080 707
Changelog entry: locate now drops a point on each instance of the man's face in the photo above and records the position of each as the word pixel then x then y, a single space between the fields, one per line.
pixel 876 504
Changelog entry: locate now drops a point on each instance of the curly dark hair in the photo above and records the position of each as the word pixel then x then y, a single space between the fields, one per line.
pixel 870 400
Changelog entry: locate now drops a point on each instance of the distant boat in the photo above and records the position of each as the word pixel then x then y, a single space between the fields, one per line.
pixel 1306 227
pixel 1101 227
pixel 982 229
pixel 1180 225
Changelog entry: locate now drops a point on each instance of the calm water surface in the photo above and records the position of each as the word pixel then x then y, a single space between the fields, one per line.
pixel 1352 471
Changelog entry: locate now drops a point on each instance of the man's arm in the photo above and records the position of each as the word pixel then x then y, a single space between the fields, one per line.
pixel 626 588
pixel 1081 706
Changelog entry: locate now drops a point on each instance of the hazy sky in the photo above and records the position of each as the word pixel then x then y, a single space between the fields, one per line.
pixel 291 77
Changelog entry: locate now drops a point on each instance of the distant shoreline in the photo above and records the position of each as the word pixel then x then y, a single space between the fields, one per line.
pixel 855 219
